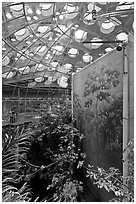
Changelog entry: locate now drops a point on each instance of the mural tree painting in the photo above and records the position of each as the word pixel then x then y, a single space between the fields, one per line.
pixel 104 106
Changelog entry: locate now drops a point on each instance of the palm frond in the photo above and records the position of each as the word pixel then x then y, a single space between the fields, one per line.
pixel 14 146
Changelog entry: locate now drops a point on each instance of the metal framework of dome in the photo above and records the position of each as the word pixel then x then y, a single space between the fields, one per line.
pixel 44 43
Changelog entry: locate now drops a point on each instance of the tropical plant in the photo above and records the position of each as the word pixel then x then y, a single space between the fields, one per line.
pixel 113 180
pixel 14 148
pixel 56 148
pixel 68 158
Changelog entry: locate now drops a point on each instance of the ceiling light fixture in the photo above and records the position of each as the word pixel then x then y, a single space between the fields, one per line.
pixel 80 35
pixel 73 52
pixel 43 29
pixel 107 27
pixel 21 34
pixel 47 9
pixel 96 43
pixel 87 58
pixel 122 36
pixel 17 10
pixel 45 6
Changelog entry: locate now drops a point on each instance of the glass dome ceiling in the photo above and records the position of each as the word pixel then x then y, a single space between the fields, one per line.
pixel 44 43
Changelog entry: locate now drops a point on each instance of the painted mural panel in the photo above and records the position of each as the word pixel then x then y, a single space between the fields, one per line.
pixel 97 108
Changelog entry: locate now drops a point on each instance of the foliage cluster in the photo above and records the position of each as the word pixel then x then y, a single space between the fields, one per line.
pixel 47 152
pixel 113 180
pixel 14 148
pixel 58 151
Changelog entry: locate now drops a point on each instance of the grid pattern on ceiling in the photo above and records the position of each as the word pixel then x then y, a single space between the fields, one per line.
pixel 42 43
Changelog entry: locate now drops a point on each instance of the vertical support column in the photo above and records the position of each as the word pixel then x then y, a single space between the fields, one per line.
pixel 18 97
pixel 130 55
pixel 25 105
pixel 125 111
pixel 72 99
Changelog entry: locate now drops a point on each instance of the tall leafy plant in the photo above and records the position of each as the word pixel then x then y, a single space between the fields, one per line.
pixel 68 158
pixel 58 146
pixel 14 148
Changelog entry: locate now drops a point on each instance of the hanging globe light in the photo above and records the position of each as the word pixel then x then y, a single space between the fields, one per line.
pixel 21 34
pixel 87 57
pixel 80 35
pixel 44 31
pixel 17 10
pixel 71 11
pixel 58 50
pixel 96 45
pixel 107 27
pixel 73 52
pixel 46 9
pixel 122 36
